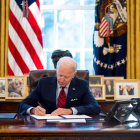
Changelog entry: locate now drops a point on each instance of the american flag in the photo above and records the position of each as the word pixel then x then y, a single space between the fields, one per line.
pixel 25 38
pixel 105 29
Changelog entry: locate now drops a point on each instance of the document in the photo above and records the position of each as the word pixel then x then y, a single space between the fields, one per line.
pixel 7 115
pixel 54 120
pixel 69 120
pixel 47 116
pixel 73 120
pixel 76 116
pixel 61 117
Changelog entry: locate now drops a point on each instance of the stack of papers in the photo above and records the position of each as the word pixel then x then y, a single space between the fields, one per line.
pixel 76 116
pixel 69 120
pixel 63 118
pixel 47 116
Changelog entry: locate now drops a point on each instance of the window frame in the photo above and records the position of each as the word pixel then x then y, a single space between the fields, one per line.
pixel 82 50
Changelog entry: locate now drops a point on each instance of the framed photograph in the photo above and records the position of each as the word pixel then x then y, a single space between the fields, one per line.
pixel 98 91
pixel 15 87
pixel 126 89
pixel 2 87
pixel 96 79
pixel 109 85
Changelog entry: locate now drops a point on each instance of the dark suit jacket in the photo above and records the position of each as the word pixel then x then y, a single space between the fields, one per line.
pixel 131 91
pixel 45 93
pixel 111 92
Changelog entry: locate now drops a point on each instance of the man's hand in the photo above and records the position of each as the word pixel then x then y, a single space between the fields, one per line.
pixel 61 111
pixel 38 111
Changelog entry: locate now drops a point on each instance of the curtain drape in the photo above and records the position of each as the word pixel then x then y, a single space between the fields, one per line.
pixel 4 18
pixel 133 39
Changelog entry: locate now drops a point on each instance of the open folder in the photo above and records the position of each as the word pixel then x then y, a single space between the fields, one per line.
pixel 75 117
pixel 49 117
pixel 7 115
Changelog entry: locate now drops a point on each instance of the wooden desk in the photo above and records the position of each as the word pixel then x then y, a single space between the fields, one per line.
pixel 93 129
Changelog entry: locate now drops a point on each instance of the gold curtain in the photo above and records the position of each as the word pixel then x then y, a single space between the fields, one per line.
pixel 133 39
pixel 4 18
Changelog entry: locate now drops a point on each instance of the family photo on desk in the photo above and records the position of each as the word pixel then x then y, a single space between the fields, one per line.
pixel 15 87
pixel 96 91
pixel 126 90
pixel 2 87
pixel 12 87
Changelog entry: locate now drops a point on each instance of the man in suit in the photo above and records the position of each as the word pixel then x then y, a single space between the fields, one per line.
pixel 109 88
pixel 130 90
pixel 76 99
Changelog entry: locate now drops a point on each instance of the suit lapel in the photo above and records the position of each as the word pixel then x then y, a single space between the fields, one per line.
pixel 71 92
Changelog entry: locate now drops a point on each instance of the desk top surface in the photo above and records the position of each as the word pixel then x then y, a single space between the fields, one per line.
pixel 96 124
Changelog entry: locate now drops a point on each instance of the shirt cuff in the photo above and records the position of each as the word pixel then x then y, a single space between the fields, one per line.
pixel 28 110
pixel 74 110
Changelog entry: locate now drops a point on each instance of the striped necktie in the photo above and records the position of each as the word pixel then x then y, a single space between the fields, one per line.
pixel 61 99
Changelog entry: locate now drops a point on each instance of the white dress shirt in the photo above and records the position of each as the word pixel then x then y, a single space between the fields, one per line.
pixel 109 88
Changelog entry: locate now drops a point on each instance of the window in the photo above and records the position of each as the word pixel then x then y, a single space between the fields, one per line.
pixel 68 25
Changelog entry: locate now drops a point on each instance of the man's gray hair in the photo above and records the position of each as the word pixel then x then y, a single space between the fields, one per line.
pixel 67 62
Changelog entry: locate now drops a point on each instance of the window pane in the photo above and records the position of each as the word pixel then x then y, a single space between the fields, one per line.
pixel 49 62
pixel 47 2
pixel 89 62
pixel 89 26
pixel 76 57
pixel 89 2
pixel 69 28
pixel 61 2
pixel 66 2
pixel 48 29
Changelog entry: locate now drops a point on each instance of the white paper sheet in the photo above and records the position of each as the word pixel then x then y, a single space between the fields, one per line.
pixel 47 116
pixel 76 116
pixel 53 120
pixel 73 120
pixel 69 121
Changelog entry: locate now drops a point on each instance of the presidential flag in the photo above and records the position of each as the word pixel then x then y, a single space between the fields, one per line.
pixel 110 38
pixel 25 37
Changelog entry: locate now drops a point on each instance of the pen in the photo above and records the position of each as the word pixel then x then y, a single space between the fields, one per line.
pixel 39 104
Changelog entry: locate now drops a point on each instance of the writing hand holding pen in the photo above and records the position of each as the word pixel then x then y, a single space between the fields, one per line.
pixel 38 110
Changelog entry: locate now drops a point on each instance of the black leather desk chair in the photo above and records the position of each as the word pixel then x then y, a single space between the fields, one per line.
pixel 35 75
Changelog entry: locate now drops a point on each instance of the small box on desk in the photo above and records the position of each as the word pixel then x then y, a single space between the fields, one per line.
pixel 9 118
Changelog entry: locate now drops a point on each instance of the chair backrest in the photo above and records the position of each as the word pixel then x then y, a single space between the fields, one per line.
pixel 35 75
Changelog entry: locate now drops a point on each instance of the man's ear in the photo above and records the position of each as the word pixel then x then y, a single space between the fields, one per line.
pixel 74 74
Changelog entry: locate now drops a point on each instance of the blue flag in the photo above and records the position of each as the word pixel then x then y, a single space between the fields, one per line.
pixel 110 38
pixel 20 3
